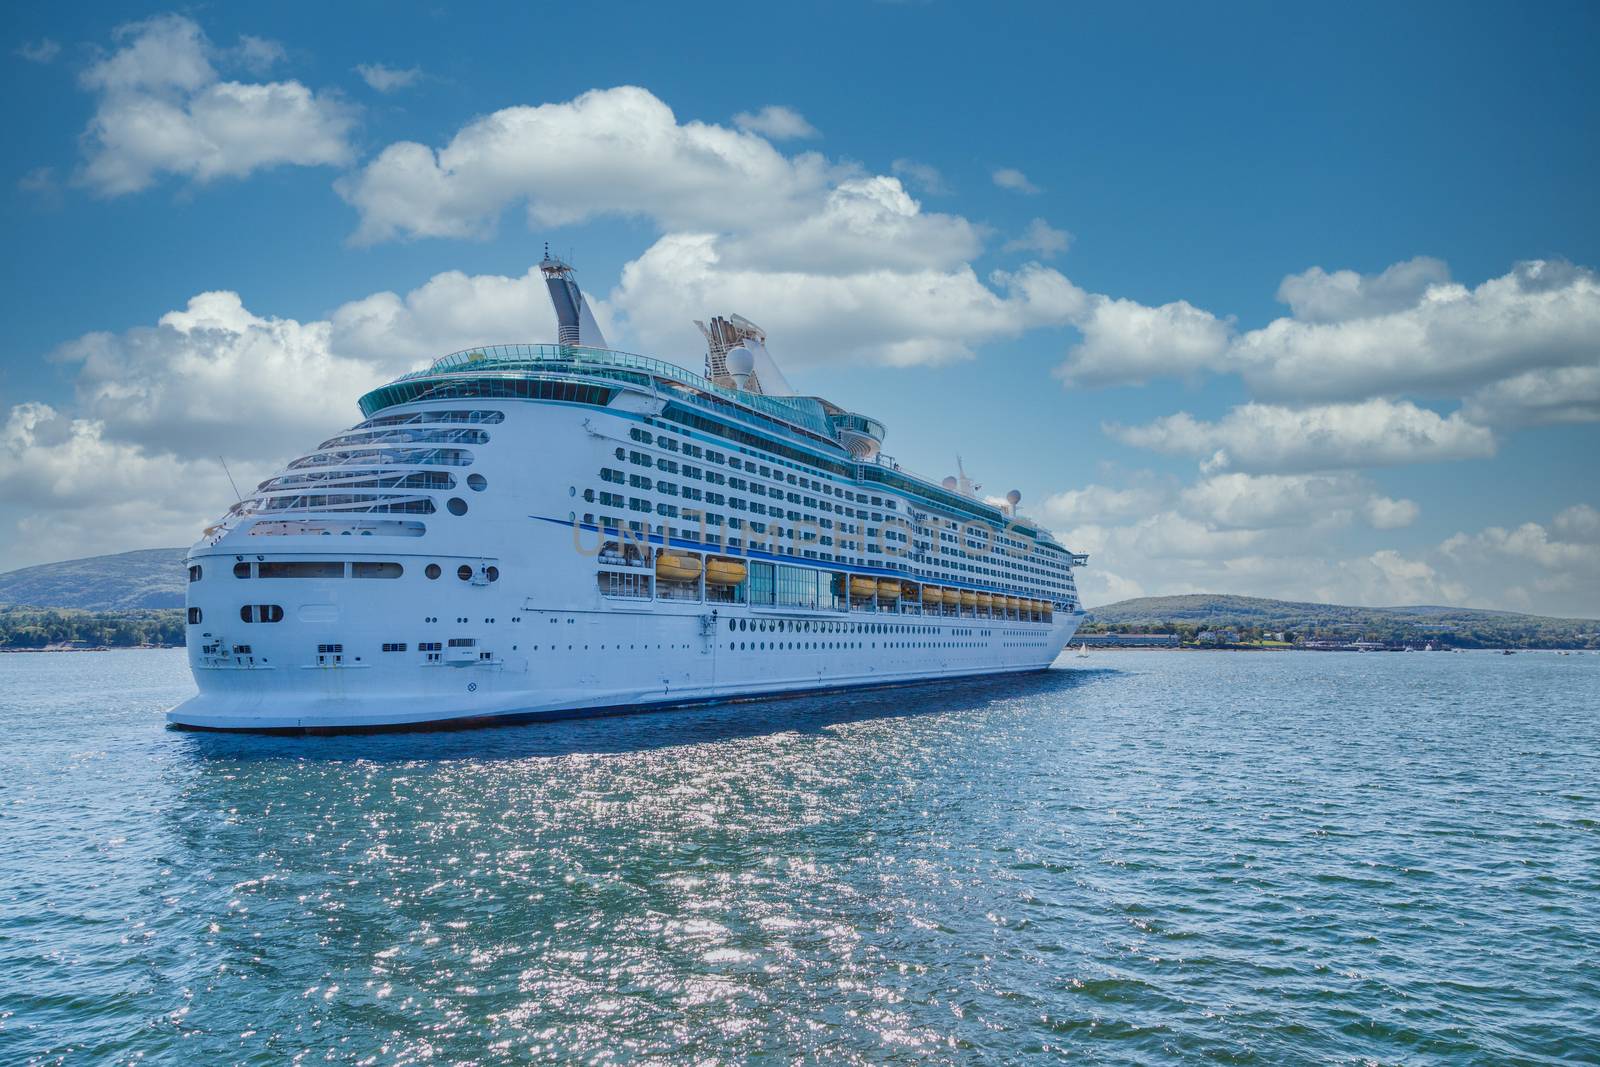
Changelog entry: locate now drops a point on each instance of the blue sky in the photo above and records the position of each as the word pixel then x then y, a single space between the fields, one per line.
pixel 1258 300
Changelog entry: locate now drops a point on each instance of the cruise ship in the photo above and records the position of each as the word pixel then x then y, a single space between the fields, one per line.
pixel 544 530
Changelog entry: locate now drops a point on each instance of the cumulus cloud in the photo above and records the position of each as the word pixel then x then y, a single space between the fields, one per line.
pixel 1551 570
pixel 1040 238
pixel 1272 501
pixel 388 79
pixel 215 377
pixel 67 490
pixel 1442 341
pixel 1128 342
pixel 1265 437
pixel 1522 348
pixel 619 152
pixel 41 51
pixel 777 123
pixel 1317 295
pixel 899 317
pixel 163 109
pixel 1539 397
pixel 1013 179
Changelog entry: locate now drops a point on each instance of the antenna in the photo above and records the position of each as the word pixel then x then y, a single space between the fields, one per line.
pixel 229 473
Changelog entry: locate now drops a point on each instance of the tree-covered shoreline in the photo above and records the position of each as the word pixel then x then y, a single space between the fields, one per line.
pixel 25 628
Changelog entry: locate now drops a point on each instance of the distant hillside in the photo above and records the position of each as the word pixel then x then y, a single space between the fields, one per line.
pixel 1457 627
pixel 127 581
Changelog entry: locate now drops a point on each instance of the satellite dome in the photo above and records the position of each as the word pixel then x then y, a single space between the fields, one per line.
pixel 741 361
pixel 1014 497
pixel 949 481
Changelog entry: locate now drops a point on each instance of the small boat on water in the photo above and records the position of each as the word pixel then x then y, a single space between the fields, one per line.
pixel 1083 650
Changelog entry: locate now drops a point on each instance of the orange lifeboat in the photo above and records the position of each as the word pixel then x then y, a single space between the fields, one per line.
pixel 888 589
pixel 862 588
pixel 677 567
pixel 969 598
pixel 721 571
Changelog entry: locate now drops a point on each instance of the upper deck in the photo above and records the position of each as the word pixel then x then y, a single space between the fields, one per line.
pixel 817 429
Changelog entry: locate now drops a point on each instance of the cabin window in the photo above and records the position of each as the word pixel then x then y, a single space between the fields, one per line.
pixel 301 569
pixel 195 616
pixel 241 570
pixel 477 482
pixel 194 572
pixel 396 646
pixel 261 613
pixel 368 569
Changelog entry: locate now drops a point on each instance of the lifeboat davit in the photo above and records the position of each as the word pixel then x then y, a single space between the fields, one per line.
pixel 721 571
pixel 862 588
pixel 888 589
pixel 678 567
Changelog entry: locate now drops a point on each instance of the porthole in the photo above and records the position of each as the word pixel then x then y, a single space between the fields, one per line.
pixel 492 573
pixel 478 483
pixel 464 572
pixel 456 505
pixel 432 570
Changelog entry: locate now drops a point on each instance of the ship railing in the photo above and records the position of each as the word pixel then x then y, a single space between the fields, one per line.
pixel 500 357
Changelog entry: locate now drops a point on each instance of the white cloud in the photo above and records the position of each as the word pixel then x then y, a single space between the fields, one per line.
pixel 923 176
pixel 1042 238
pixel 617 152
pixel 41 51
pixel 894 316
pixel 66 490
pixel 1539 397
pixel 388 79
pixel 1098 504
pixel 163 109
pixel 1264 437
pixel 1014 180
pixel 216 378
pixel 1319 296
pixel 257 54
pixel 1579 523
pixel 1272 501
pixel 1523 348
pixel 776 122
pixel 1127 342
pixel 1447 340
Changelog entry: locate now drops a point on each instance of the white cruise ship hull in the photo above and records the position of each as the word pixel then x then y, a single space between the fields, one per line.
pixel 560 683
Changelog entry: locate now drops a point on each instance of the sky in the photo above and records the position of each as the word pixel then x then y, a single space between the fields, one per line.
pixel 1259 299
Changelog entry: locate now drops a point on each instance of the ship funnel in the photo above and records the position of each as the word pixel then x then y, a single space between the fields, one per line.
pixel 575 323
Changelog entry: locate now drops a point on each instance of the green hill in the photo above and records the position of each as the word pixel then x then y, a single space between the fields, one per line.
pixel 127 581
pixel 1252 616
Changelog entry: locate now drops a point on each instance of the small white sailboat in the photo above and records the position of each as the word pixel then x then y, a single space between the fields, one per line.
pixel 1083 650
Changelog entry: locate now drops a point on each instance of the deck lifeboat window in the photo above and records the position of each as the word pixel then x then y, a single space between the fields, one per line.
pixel 456 505
pixel 432 570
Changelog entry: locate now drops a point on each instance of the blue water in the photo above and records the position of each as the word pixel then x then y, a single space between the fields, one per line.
pixel 1142 858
